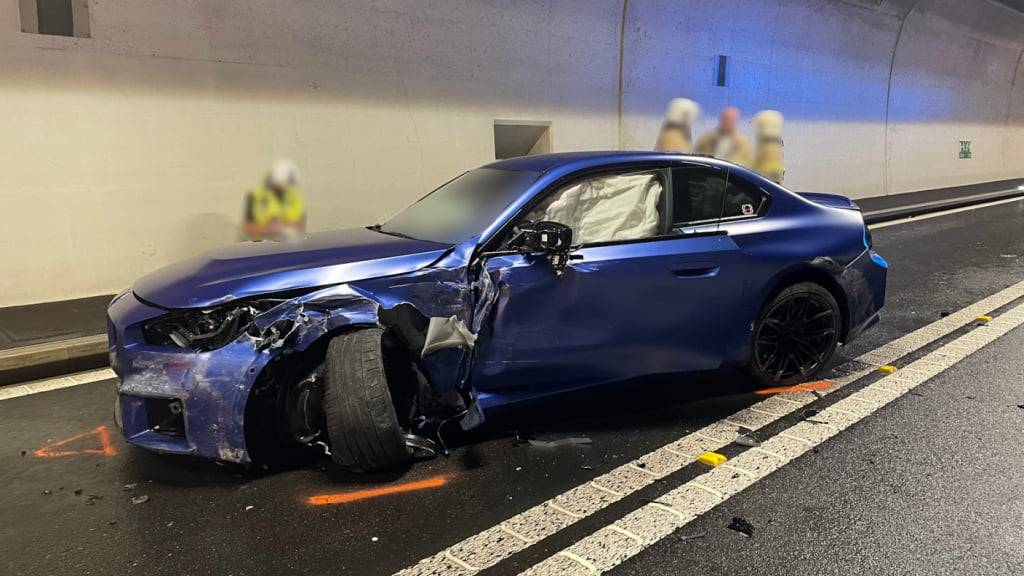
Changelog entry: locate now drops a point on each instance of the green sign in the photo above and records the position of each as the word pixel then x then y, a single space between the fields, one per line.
pixel 965 149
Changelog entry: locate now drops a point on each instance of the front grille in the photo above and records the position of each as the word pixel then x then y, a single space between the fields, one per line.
pixel 166 416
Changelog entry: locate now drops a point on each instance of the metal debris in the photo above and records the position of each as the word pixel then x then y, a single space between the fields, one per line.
pixel 741 525
pixel 572 441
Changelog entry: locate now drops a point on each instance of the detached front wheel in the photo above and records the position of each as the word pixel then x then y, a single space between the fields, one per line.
pixel 361 419
pixel 795 336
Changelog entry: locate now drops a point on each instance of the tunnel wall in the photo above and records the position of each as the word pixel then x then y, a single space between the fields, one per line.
pixel 131 149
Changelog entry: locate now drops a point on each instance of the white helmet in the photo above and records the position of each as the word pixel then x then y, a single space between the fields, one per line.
pixel 767 124
pixel 282 174
pixel 682 111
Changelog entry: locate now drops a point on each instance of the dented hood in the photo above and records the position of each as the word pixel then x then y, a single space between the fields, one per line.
pixel 254 268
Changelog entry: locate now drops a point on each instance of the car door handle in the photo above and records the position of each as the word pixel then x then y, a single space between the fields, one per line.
pixel 696 270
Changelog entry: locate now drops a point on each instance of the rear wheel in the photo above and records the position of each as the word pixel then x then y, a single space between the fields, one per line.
pixel 363 426
pixel 795 336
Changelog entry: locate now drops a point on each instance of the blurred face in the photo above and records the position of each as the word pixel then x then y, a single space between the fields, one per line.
pixel 729 119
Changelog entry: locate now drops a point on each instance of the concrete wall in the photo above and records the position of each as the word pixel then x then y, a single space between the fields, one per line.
pixel 131 149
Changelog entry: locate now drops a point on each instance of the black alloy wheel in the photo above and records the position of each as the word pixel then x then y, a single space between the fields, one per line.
pixel 796 335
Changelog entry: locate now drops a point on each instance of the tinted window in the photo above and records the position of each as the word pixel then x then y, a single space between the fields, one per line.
pixel 461 208
pixel 742 199
pixel 696 195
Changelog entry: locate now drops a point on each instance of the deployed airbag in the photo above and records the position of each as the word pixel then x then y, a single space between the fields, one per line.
pixel 609 208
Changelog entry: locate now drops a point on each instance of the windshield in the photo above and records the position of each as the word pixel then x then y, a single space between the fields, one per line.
pixel 461 208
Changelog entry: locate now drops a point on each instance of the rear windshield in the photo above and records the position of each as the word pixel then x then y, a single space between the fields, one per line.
pixel 461 208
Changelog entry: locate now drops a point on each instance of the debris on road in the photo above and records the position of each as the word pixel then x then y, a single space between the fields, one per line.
pixel 91 499
pixel 685 537
pixel 572 441
pixel 78 492
pixel 741 525
pixel 250 507
pixel 887 369
pixel 131 486
pixel 140 499
pixel 746 438
pixel 47 492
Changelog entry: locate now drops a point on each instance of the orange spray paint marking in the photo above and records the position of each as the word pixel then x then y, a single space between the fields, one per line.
pixel 102 433
pixel 345 497
pixel 805 387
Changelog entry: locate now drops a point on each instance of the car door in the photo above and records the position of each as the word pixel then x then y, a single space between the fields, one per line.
pixel 652 301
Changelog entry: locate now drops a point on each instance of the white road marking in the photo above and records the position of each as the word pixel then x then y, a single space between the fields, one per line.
pixel 492 546
pixel 37 386
pixel 943 213
pixel 603 550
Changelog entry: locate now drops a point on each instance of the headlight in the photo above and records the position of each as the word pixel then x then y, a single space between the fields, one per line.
pixel 199 330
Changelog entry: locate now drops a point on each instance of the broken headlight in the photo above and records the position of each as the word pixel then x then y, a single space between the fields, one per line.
pixel 200 330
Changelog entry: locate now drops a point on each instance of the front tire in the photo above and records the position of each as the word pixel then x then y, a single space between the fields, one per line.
pixel 361 420
pixel 795 336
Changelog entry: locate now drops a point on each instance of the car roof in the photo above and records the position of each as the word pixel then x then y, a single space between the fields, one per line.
pixel 547 162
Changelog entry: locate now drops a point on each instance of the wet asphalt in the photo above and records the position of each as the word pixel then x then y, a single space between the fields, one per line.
pixel 931 484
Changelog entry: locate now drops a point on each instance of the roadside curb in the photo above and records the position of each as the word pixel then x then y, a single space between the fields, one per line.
pixel 885 215
pixel 52 358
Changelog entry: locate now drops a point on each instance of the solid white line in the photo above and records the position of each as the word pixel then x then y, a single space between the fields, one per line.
pixel 37 386
pixel 542 523
pixel 943 213
pixel 605 553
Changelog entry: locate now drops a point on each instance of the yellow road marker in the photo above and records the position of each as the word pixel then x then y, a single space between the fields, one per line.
pixel 711 458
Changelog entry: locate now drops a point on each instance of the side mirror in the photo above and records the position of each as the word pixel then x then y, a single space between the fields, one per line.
pixel 552 239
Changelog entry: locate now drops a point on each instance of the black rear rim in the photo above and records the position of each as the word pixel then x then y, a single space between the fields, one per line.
pixel 795 336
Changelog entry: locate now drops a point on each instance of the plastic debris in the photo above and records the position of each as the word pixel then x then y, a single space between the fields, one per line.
pixel 741 525
pixel 374 539
pixel 130 486
pixel 250 507
pixel 887 369
pixel 47 492
pixel 91 499
pixel 140 499
pixel 748 440
pixel 712 459
pixel 577 441
pixel 685 537
pixel 984 319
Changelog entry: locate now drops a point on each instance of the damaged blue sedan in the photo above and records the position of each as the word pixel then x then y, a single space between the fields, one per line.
pixel 520 279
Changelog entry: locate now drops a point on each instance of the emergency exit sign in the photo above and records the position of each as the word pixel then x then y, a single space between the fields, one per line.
pixel 965 149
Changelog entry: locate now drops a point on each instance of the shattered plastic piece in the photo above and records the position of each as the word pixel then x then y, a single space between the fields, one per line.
pixel 684 537
pixel 580 441
pixel 47 492
pixel 887 369
pixel 374 539
pixel 748 440
pixel 447 333
pixel 250 507
pixel 712 458
pixel 131 486
pixel 740 525
pixel 984 319
pixel 140 499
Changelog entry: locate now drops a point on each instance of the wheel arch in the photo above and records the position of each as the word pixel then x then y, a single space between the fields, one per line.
pixel 817 274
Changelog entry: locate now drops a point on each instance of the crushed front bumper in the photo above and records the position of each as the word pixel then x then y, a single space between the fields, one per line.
pixel 180 401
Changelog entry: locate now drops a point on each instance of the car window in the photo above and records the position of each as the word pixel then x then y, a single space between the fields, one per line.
pixel 696 195
pixel 703 195
pixel 742 199
pixel 606 208
pixel 461 208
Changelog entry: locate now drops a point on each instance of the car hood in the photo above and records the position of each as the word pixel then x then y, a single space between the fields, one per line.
pixel 254 268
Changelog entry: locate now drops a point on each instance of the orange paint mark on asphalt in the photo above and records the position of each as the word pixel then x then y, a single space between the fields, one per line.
pixel 102 433
pixel 345 497
pixel 805 387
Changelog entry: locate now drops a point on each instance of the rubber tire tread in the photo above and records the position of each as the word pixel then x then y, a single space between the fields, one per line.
pixel 361 420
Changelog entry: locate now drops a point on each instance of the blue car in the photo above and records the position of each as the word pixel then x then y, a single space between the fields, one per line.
pixel 521 279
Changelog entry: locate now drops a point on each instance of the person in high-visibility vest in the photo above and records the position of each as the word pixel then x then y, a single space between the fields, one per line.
pixel 275 210
pixel 769 159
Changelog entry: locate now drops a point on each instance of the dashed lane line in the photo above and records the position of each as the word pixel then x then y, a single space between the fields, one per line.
pixel 494 545
pixel 607 548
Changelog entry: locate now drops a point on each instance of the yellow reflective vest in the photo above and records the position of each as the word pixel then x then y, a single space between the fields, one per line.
pixel 266 206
